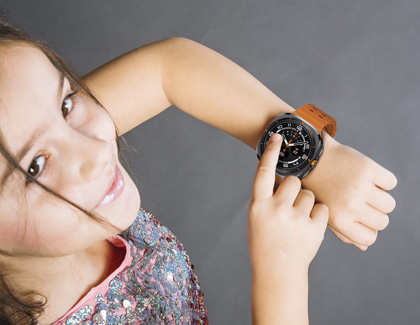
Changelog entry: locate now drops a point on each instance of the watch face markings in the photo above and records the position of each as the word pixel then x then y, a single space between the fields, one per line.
pixel 301 146
pixel 297 146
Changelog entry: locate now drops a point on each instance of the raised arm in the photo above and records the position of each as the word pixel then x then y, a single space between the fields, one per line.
pixel 192 77
pixel 210 87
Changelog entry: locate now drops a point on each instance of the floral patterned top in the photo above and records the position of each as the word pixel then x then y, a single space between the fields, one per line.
pixel 155 284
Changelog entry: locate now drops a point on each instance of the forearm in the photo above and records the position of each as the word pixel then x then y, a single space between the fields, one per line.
pixel 282 300
pixel 210 87
pixel 142 83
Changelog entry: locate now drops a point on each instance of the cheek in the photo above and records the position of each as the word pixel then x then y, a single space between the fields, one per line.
pixel 103 121
pixel 14 220
pixel 97 122
pixel 14 233
pixel 45 229
pixel 58 229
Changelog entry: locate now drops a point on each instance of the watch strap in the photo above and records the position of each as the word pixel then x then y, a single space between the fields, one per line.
pixel 317 118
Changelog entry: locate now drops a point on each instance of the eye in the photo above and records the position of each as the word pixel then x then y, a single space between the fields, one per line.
pixel 67 105
pixel 37 166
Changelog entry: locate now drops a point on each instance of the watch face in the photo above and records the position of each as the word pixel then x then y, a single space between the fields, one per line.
pixel 301 144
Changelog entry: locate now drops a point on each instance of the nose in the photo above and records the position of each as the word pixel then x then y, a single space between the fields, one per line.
pixel 95 159
pixel 86 158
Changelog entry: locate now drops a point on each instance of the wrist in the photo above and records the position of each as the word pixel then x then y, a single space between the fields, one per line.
pixel 279 272
pixel 283 300
pixel 321 169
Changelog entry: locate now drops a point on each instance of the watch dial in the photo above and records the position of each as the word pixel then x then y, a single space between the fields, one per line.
pixel 297 145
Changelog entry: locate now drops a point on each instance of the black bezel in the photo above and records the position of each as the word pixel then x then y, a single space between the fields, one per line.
pixel 315 141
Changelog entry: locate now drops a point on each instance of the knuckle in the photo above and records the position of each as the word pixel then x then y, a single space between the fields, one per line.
pixel 332 221
pixel 323 208
pixel 366 163
pixel 338 222
pixel 346 240
pixel 293 181
pixel 370 239
pixel 307 193
pixel 254 208
pixel 279 207
pixel 365 167
pixel 263 168
pixel 350 205
pixel 358 185
pixel 339 236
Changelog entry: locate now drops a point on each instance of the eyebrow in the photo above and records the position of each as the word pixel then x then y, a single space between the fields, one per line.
pixel 32 138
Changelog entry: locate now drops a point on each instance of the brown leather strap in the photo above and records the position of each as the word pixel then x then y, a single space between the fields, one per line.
pixel 317 118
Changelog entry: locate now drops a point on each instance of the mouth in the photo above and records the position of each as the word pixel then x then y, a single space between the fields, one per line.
pixel 114 190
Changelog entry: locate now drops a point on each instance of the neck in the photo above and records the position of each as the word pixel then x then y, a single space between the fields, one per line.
pixel 63 281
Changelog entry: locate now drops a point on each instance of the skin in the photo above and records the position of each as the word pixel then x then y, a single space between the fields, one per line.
pixel 52 240
pixel 210 87
pixel 134 88
pixel 285 230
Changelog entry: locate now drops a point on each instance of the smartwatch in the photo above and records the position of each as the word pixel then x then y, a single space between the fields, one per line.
pixel 302 143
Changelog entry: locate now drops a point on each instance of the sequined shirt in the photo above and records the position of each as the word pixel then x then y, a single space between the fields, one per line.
pixel 155 284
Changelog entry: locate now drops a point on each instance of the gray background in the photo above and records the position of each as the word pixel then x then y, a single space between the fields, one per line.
pixel 356 59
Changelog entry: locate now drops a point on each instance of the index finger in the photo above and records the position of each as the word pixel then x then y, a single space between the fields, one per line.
pixel 265 176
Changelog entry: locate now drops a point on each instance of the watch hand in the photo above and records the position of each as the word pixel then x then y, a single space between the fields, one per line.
pixel 287 145
pixel 296 143
pixel 284 139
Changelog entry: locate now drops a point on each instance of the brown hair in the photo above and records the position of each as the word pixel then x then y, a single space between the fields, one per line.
pixel 26 308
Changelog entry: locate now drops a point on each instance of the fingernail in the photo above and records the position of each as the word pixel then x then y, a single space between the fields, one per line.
pixel 275 137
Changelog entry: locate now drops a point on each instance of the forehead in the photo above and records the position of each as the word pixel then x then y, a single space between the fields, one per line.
pixel 28 84
pixel 24 69
pixel 27 78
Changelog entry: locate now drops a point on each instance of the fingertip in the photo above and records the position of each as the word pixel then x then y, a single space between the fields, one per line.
pixel 324 206
pixel 387 181
pixel 394 181
pixel 275 137
pixel 320 212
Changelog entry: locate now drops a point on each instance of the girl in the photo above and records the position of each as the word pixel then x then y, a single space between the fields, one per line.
pixel 76 246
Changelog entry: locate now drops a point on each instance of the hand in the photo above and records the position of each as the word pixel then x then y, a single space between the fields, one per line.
pixel 353 187
pixel 285 228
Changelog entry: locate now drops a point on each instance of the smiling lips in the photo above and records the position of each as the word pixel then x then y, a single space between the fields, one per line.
pixel 115 189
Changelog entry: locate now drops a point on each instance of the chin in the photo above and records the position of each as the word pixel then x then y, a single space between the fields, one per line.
pixel 130 206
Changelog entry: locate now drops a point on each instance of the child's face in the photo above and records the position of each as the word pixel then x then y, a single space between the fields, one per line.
pixel 75 156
